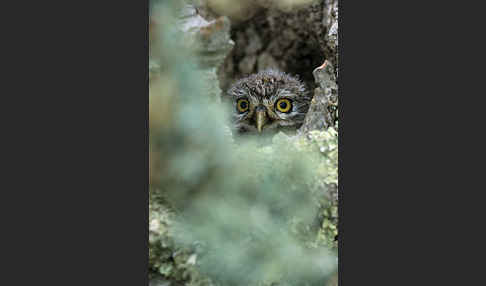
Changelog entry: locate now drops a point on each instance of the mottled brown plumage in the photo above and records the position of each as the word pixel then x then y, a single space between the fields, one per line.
pixel 268 102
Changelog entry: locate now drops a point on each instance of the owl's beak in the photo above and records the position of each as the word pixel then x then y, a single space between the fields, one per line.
pixel 261 119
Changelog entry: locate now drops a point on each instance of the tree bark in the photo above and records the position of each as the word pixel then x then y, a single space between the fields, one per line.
pixel 293 38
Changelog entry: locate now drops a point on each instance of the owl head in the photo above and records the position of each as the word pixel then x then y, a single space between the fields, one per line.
pixel 268 102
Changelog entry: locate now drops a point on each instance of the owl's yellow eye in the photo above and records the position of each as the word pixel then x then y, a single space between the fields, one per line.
pixel 242 105
pixel 283 105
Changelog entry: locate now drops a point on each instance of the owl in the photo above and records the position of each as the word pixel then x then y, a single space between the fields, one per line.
pixel 268 102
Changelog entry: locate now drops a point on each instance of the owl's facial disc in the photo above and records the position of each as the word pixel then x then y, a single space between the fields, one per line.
pixel 263 116
pixel 268 102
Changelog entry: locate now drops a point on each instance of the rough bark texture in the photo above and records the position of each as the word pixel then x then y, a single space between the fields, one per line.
pixel 211 38
pixel 295 39
pixel 323 111
pixel 210 41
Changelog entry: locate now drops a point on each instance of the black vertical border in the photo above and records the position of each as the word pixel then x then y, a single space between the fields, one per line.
pixel 146 136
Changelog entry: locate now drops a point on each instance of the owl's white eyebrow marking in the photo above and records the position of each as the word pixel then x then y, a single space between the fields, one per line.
pixel 281 93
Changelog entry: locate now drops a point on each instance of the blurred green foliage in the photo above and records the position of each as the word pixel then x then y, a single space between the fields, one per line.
pixel 231 213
